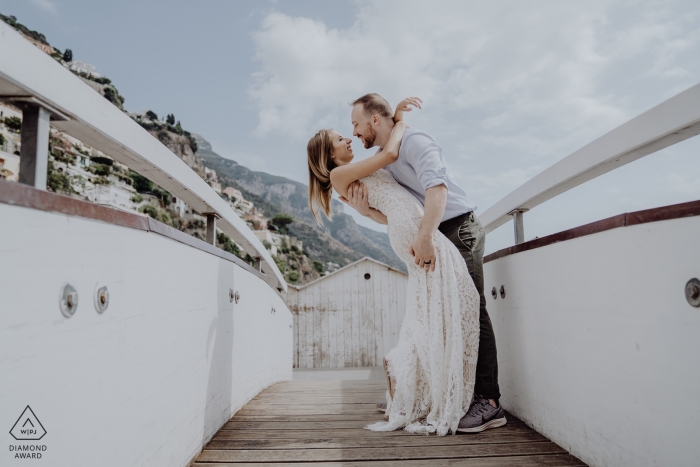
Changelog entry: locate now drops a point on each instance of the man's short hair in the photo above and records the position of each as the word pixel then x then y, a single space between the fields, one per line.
pixel 372 104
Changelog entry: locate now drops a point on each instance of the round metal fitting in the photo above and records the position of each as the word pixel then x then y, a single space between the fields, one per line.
pixel 494 294
pixel 692 292
pixel 231 295
pixel 68 300
pixel 101 298
pixel 503 291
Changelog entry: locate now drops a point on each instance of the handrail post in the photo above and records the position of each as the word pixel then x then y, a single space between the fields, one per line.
pixel 211 228
pixel 518 225
pixel 34 153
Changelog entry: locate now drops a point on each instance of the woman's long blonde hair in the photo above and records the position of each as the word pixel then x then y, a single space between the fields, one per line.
pixel 319 152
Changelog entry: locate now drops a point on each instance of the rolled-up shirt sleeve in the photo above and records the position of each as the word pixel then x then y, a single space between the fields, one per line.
pixel 425 156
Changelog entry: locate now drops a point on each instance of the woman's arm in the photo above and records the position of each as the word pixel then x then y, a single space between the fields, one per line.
pixel 404 106
pixel 357 198
pixel 343 176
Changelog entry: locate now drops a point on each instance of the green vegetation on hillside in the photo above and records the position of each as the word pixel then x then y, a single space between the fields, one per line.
pixel 12 21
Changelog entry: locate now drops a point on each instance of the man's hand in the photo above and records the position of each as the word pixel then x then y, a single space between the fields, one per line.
pixel 423 251
pixel 357 198
pixel 422 248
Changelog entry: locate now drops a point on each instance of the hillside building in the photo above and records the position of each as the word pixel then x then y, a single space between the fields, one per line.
pixel 9 166
pixel 43 47
pixel 232 193
pixel 82 67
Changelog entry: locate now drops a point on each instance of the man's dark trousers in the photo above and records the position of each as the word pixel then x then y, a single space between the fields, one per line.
pixel 468 236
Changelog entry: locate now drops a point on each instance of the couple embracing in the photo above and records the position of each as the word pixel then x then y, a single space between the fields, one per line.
pixel 443 374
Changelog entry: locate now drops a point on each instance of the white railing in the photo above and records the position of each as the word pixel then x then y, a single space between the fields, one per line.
pixel 668 123
pixel 27 74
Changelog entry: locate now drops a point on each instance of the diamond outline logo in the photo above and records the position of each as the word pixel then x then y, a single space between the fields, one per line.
pixel 27 417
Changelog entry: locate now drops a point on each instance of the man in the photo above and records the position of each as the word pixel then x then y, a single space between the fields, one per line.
pixel 421 169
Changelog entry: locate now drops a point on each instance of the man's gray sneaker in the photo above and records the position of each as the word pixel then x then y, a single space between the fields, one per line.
pixel 381 407
pixel 482 416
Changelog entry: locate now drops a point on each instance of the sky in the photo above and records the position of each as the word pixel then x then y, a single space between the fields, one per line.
pixel 509 87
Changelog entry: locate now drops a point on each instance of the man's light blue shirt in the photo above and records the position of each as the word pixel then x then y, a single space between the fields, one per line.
pixel 421 166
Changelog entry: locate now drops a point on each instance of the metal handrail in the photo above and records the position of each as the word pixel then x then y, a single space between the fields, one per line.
pixel 30 75
pixel 668 123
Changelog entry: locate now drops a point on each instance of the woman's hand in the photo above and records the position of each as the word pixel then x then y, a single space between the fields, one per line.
pixel 405 106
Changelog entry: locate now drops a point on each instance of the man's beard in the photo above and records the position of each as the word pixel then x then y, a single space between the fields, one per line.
pixel 369 137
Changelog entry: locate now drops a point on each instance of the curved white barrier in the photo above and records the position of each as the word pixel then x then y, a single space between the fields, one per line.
pixel 26 71
pixel 597 345
pixel 666 124
pixel 148 381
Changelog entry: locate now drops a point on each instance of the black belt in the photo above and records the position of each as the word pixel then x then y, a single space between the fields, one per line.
pixel 450 224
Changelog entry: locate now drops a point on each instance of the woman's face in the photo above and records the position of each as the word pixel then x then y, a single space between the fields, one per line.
pixel 342 150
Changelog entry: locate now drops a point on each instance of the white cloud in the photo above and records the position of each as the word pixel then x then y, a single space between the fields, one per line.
pixel 47 6
pixel 509 87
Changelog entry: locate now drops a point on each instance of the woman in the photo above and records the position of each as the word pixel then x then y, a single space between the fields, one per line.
pixel 431 371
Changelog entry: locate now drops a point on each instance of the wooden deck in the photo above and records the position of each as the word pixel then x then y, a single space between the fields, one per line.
pixel 303 423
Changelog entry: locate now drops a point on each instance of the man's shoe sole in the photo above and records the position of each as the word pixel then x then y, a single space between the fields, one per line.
pixel 495 423
pixel 381 410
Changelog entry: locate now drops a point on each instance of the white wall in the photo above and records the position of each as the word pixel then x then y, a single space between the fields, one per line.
pixel 155 376
pixel 598 348
pixel 344 320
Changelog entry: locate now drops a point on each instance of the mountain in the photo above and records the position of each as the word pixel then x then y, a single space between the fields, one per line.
pixel 340 240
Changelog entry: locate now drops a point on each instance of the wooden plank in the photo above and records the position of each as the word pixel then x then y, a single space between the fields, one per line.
pixel 368 314
pixel 322 312
pixel 346 392
pixel 356 318
pixel 297 423
pixel 369 441
pixel 556 460
pixel 353 433
pixel 368 418
pixel 303 330
pixel 371 314
pixel 337 391
pixel 330 424
pixel 375 454
pixel 340 330
pixel 332 336
pixel 301 406
pixel 385 305
pixel 307 410
pixel 374 327
pixel 314 296
pixel 347 321
pixel 324 385
pixel 368 403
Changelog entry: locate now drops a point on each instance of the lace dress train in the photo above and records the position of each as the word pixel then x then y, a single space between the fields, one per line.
pixel 434 362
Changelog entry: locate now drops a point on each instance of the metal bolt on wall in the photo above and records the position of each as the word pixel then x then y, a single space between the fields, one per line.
pixel 101 298
pixel 68 300
pixel 692 292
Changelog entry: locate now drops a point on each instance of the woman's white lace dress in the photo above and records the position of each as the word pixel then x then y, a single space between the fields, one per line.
pixel 434 362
